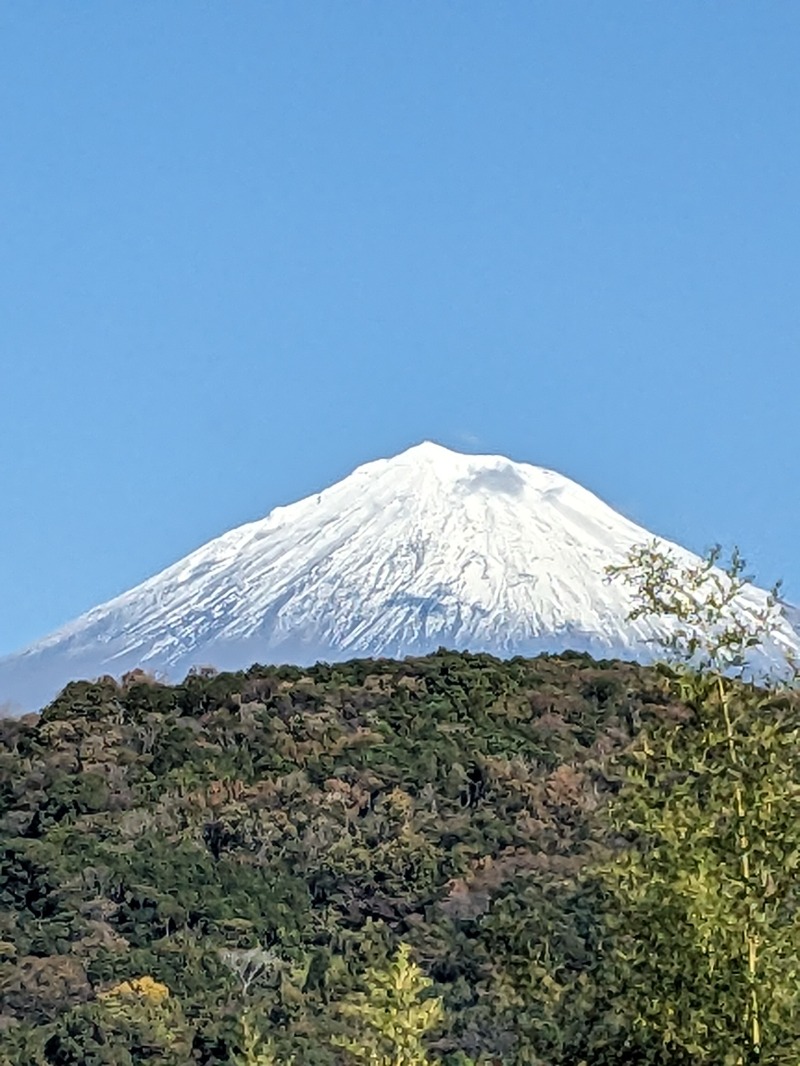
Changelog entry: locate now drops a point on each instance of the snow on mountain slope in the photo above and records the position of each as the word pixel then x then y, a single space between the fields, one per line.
pixel 425 549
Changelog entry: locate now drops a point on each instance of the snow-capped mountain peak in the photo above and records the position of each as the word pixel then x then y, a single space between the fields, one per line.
pixel 430 547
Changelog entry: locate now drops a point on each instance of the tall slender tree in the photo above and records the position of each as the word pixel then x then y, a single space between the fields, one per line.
pixel 704 898
pixel 387 1024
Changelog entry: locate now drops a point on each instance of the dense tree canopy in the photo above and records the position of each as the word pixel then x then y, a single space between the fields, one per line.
pixel 221 871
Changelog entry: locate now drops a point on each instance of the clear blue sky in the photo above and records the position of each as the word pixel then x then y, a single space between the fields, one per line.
pixel 247 246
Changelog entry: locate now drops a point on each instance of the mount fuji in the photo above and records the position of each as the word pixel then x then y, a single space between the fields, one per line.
pixel 429 548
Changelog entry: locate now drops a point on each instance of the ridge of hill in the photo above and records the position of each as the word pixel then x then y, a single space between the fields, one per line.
pixel 320 818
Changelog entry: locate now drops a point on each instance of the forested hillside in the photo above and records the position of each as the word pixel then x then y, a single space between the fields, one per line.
pixel 224 871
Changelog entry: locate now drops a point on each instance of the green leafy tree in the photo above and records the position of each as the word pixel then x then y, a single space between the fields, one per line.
pixel 256 1049
pixel 704 921
pixel 390 1021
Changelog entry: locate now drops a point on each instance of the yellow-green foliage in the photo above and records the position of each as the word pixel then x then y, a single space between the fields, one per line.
pixel 256 1049
pixel 142 991
pixel 705 944
pixel 142 1004
pixel 389 1022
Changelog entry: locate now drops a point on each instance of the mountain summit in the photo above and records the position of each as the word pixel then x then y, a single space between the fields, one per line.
pixel 429 548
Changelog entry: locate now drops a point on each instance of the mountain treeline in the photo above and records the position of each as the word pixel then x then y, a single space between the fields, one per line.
pixel 379 862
